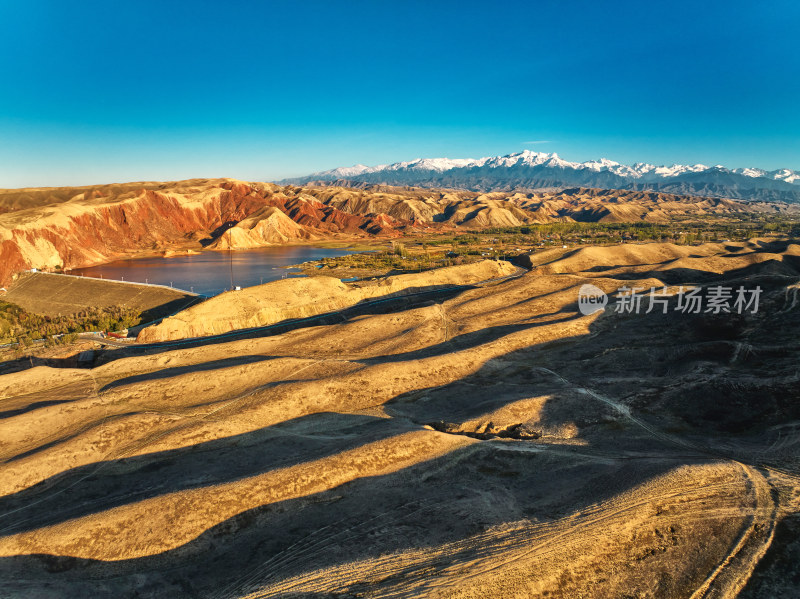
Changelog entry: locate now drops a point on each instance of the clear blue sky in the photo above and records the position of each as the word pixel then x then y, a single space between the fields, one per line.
pixel 94 92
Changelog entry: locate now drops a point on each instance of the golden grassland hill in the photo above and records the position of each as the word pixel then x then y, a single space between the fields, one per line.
pixel 266 226
pixel 65 353
pixel 671 261
pixel 494 442
pixel 504 209
pixel 13 200
pixel 303 297
pixel 76 227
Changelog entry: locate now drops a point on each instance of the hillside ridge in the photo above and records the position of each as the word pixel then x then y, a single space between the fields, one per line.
pixel 529 170
pixel 68 228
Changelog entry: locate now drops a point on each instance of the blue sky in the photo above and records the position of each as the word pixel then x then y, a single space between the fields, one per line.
pixel 94 92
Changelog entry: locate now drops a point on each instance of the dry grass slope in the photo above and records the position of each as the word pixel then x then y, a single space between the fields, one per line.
pixel 300 298
pixel 492 442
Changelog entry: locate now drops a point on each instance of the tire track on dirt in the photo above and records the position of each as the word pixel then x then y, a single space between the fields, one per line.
pixel 732 574
pixel 449 566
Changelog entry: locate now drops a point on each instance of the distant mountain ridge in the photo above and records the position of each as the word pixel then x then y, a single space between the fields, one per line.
pixel 529 170
pixel 54 229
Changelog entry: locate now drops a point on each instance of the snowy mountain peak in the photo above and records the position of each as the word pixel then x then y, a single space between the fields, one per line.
pixel 533 159
pixel 351 171
pixel 531 170
pixel 784 174
pixel 439 164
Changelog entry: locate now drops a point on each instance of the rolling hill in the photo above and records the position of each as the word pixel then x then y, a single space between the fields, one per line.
pixel 58 229
pixel 487 442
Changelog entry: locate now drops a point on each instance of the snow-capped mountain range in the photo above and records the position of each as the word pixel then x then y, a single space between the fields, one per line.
pixel 538 170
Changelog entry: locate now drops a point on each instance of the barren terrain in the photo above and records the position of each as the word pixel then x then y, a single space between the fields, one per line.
pixel 483 440
pixel 62 228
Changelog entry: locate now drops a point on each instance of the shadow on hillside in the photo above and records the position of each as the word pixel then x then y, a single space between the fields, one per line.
pixel 465 341
pixel 159 312
pixel 456 343
pixel 216 233
pixel 386 305
pixel 657 364
pixel 167 373
pixel 436 501
pixel 788 267
pixel 33 406
pixel 109 484
pixel 149 316
pixel 363 308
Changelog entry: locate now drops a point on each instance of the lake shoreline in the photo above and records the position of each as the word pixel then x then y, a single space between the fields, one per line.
pixel 212 272
pixel 355 246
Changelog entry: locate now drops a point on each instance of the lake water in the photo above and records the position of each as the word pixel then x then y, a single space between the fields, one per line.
pixel 209 273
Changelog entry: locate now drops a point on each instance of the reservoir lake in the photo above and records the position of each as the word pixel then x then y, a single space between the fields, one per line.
pixel 209 272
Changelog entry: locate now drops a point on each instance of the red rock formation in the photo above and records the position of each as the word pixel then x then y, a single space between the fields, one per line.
pixel 74 227
pixel 104 227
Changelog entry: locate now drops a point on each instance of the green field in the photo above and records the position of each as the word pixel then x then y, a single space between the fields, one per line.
pixel 20 326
